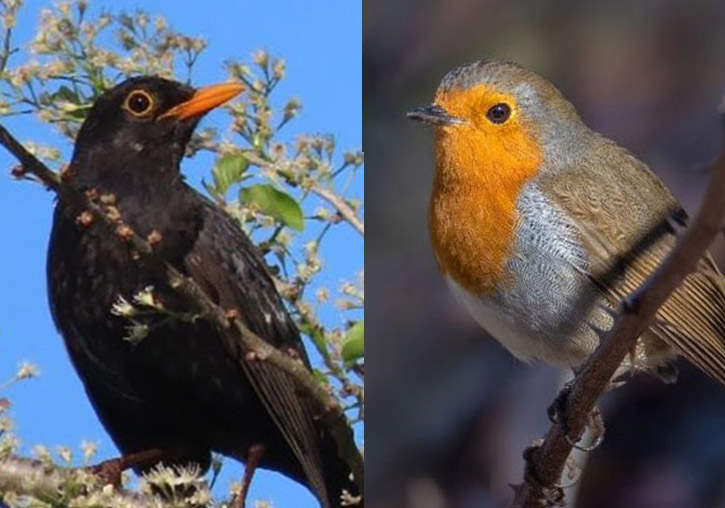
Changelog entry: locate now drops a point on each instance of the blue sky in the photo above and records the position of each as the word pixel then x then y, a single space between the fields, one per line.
pixel 321 43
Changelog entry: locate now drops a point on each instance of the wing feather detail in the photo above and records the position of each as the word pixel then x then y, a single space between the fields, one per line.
pixel 624 220
pixel 240 281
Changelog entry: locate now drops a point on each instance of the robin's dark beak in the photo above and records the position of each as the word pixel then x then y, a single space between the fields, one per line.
pixel 204 100
pixel 434 115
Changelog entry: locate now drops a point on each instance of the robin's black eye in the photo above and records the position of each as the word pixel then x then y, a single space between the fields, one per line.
pixel 139 103
pixel 499 113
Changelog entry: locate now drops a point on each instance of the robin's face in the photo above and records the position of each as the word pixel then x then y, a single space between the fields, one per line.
pixel 481 108
pixel 503 116
pixel 483 115
pixel 481 132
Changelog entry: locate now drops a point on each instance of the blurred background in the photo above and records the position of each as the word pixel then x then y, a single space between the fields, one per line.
pixel 452 411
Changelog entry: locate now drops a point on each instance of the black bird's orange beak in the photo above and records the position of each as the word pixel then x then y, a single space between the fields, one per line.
pixel 204 100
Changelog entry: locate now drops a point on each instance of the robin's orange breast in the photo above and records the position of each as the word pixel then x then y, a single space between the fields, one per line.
pixel 479 175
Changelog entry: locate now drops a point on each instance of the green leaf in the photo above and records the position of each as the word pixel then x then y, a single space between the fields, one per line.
pixel 229 170
pixel 353 345
pixel 275 203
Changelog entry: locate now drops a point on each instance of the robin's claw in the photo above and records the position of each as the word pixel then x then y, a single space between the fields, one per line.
pixel 558 413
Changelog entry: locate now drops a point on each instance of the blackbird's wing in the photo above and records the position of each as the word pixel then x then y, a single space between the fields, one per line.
pixel 611 212
pixel 226 264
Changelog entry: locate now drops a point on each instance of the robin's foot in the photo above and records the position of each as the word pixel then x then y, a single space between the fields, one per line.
pixel 253 457
pixel 596 427
pixel 558 410
pixel 558 413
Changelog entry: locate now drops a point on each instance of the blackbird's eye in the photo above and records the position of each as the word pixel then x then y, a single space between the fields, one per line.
pixel 499 113
pixel 139 103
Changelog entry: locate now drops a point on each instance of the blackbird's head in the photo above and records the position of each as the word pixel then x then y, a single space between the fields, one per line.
pixel 142 125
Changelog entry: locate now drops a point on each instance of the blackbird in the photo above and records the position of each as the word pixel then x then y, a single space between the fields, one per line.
pixel 181 388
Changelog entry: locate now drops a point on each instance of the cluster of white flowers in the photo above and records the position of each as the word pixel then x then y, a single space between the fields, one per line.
pixel 179 486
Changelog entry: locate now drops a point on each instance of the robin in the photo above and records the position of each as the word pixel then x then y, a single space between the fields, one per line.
pixel 541 226
pixel 180 392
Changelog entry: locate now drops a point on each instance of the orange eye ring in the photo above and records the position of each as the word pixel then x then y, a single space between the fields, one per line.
pixel 139 103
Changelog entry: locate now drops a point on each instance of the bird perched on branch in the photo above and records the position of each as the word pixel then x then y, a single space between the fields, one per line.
pixel 541 226
pixel 185 388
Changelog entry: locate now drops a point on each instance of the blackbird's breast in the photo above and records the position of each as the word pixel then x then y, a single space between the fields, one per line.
pixel 177 385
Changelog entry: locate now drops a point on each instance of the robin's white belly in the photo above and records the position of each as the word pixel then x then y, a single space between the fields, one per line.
pixel 497 322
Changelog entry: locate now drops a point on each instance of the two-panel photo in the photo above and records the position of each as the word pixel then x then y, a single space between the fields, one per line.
pixel 182 254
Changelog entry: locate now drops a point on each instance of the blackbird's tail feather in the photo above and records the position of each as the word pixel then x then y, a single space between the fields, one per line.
pixel 337 474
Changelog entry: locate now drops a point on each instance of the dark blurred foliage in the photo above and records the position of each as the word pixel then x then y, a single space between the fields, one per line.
pixel 451 411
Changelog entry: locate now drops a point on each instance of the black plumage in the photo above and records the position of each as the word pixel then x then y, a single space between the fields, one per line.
pixel 183 386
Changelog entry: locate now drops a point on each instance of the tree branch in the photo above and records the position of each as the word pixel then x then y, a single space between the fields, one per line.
pixel 111 227
pixel 545 462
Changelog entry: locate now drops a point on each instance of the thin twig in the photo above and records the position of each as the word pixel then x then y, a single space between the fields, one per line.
pixel 329 408
pixel 545 462
pixel 6 51
pixel 342 207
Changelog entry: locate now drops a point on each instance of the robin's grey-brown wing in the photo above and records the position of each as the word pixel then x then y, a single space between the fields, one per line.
pixel 623 217
pixel 226 264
